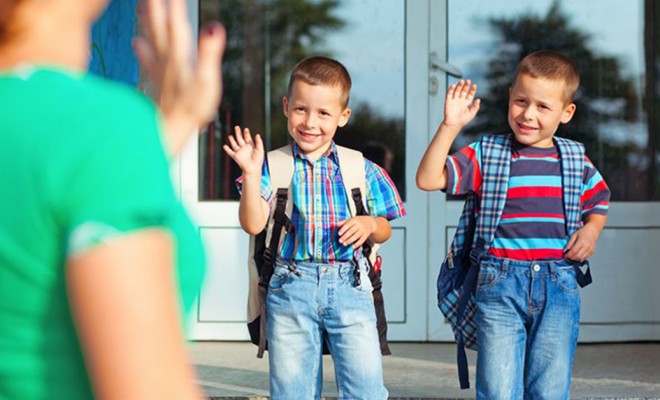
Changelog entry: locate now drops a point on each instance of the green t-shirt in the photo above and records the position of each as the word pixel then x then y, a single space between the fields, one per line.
pixel 80 159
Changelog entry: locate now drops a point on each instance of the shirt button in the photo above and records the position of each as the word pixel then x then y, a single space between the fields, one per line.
pixel 318 197
pixel 537 268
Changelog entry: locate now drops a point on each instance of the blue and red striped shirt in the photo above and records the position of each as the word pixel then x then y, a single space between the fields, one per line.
pixel 533 225
pixel 320 202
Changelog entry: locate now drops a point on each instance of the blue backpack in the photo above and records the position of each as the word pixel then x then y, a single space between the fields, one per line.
pixel 475 232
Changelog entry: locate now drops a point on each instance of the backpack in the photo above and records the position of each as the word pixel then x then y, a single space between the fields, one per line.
pixel 457 279
pixel 264 247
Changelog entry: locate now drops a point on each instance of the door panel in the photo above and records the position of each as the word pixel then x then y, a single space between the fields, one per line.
pixel 383 59
pixel 617 118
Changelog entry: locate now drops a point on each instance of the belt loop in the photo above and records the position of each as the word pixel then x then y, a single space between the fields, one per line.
pixel 552 266
pixel 505 267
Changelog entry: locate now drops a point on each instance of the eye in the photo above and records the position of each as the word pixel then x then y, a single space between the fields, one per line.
pixel 520 102
pixel 325 114
pixel 544 107
pixel 299 109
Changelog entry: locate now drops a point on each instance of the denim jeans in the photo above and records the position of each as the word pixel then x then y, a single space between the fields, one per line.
pixel 309 303
pixel 527 317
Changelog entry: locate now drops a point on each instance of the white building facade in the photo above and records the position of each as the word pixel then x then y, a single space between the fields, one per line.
pixel 402 55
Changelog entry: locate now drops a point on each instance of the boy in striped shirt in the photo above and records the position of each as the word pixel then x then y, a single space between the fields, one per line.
pixel 313 293
pixel 527 301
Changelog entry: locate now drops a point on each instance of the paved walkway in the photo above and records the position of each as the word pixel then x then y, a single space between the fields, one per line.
pixel 230 370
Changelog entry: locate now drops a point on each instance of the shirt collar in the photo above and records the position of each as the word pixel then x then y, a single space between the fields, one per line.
pixel 331 152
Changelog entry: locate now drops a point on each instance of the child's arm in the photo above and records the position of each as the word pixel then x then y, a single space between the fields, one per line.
pixel 253 210
pixel 582 243
pixel 358 229
pixel 460 108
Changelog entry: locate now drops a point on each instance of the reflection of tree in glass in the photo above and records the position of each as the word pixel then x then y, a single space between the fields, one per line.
pixel 366 128
pixel 605 97
pixel 264 41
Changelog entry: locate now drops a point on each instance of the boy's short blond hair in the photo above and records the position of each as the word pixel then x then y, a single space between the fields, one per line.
pixel 319 70
pixel 548 64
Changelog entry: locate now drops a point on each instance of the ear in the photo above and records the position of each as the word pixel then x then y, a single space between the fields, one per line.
pixel 568 113
pixel 285 104
pixel 343 118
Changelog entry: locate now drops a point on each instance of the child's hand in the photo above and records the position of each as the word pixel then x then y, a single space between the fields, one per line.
pixel 582 243
pixel 460 105
pixel 248 154
pixel 356 230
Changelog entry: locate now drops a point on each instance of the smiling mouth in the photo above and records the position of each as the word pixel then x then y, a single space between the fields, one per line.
pixel 526 129
pixel 310 136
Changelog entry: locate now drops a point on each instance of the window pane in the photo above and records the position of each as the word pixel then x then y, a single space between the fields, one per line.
pixel 605 38
pixel 267 38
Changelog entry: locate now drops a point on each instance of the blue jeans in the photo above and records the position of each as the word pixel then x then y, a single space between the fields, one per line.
pixel 309 303
pixel 528 315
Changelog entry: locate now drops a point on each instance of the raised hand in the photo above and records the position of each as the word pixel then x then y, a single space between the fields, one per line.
pixel 186 89
pixel 460 105
pixel 248 153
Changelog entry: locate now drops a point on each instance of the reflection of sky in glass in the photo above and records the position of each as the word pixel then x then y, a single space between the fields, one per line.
pixel 615 29
pixel 371 46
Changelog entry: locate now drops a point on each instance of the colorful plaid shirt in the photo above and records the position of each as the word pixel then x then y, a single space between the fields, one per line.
pixel 320 203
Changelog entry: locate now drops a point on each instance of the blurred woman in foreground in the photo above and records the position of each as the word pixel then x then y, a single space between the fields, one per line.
pixel 98 260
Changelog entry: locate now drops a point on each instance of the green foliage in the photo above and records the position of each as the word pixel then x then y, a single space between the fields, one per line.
pixel 605 93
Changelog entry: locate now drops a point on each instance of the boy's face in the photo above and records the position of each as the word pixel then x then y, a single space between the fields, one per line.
pixel 536 108
pixel 314 112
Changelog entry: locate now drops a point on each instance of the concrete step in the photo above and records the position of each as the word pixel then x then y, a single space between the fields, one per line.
pixel 630 371
pixel 437 398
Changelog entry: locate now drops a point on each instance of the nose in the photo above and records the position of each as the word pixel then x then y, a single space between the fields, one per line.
pixel 528 112
pixel 310 121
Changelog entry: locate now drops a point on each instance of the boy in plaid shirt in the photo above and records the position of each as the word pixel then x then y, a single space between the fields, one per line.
pixel 313 294
pixel 527 299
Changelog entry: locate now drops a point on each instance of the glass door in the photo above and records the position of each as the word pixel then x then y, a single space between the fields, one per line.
pixel 384 45
pixel 616 47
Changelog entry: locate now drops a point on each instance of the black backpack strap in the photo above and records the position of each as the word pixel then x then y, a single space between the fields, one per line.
pixel 374 277
pixel 280 221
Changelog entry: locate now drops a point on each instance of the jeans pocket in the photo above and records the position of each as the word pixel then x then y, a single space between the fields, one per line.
pixel 567 281
pixel 365 286
pixel 281 276
pixel 489 275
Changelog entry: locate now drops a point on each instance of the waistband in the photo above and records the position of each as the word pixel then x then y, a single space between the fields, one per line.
pixel 534 265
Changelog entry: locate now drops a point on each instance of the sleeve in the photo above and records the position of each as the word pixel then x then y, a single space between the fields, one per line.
pixel 383 199
pixel 464 170
pixel 595 192
pixel 112 175
pixel 266 190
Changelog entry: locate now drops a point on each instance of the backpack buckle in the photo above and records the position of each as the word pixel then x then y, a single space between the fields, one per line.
pixel 269 257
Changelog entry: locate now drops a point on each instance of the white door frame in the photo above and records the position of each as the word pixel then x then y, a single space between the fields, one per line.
pixel 405 255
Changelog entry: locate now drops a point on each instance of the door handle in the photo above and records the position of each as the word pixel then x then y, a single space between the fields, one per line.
pixel 435 64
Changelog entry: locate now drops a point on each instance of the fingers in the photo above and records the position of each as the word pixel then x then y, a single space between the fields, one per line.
pixel 240 139
pixel 154 24
pixel 352 232
pixel 208 72
pixel 579 250
pixel 571 242
pixel 258 144
pixel 229 151
pixel 464 89
pixel 145 54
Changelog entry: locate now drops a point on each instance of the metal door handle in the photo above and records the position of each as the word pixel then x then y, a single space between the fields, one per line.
pixel 437 65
